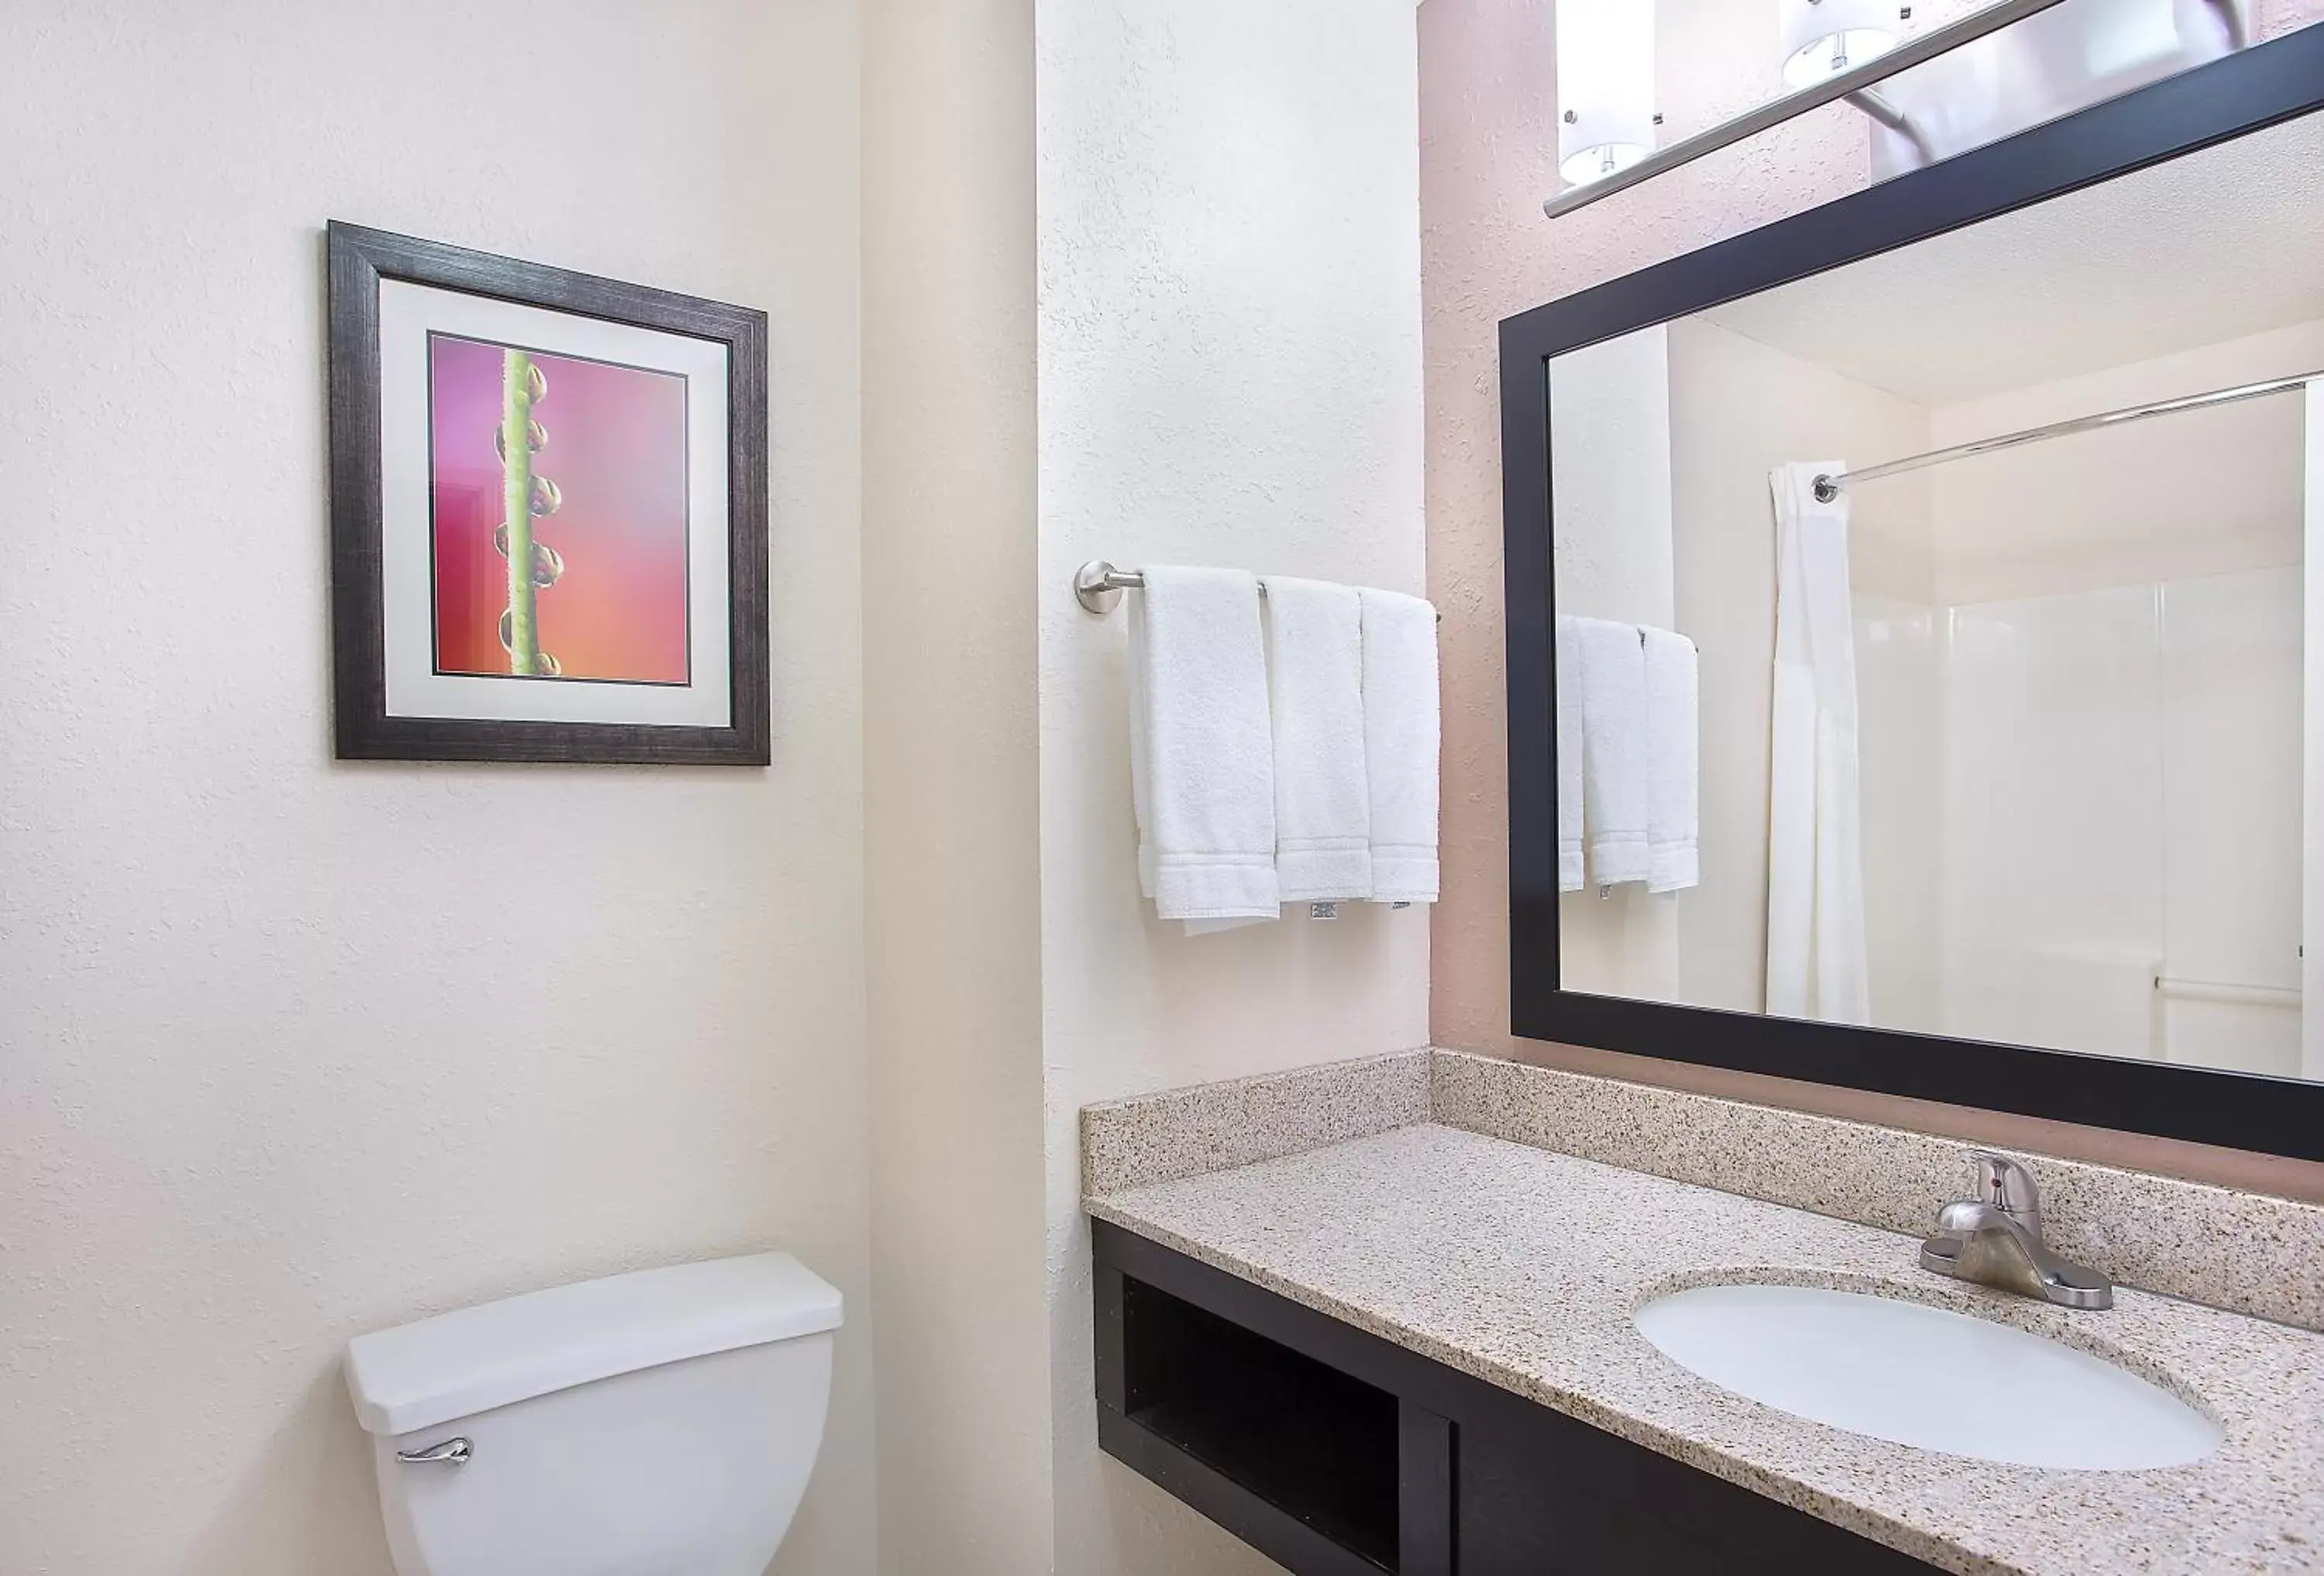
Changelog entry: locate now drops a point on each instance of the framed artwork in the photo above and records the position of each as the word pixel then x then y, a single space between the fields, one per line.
pixel 548 512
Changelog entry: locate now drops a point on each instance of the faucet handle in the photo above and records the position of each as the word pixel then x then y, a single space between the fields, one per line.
pixel 2008 1186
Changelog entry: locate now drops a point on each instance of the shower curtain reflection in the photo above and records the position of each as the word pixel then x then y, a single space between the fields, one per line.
pixel 1816 962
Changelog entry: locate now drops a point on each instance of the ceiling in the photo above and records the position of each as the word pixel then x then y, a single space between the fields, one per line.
pixel 2210 247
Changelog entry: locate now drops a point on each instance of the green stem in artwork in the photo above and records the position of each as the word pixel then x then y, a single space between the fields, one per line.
pixel 516 493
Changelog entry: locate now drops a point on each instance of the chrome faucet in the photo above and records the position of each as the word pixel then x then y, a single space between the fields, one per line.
pixel 1996 1240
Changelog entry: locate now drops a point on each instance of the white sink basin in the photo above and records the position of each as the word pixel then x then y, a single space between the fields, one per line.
pixel 1921 1375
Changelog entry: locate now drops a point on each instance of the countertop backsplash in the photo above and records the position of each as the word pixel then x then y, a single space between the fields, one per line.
pixel 2251 1253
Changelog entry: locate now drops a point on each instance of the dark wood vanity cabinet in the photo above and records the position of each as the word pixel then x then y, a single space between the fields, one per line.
pixel 1539 1493
pixel 1337 1453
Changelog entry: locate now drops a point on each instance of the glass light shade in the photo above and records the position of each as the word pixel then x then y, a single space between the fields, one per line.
pixel 1823 37
pixel 1605 86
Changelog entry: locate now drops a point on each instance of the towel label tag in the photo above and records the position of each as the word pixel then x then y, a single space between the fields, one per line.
pixel 1323 910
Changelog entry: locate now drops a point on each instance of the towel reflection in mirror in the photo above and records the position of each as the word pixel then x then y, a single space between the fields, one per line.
pixel 1626 753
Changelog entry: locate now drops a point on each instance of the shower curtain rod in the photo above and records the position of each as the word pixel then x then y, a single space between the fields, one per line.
pixel 1828 487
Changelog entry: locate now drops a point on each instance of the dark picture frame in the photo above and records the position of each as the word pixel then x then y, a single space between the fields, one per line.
pixel 2261 87
pixel 359 261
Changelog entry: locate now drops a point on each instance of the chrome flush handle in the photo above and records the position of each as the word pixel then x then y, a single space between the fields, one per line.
pixel 454 1453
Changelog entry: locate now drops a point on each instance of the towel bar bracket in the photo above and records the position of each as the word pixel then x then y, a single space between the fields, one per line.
pixel 1098 586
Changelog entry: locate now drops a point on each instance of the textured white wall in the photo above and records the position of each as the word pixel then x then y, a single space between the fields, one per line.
pixel 953 810
pixel 290 1049
pixel 1229 374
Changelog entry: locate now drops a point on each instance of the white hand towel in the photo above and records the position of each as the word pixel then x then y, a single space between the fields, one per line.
pixel 1569 819
pixel 1672 753
pixel 1315 695
pixel 1401 736
pixel 1202 764
pixel 1614 749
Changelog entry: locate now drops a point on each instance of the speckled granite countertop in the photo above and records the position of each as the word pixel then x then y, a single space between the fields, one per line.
pixel 1523 1267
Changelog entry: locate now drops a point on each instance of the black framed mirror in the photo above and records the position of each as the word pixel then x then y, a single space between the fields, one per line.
pixel 1966 741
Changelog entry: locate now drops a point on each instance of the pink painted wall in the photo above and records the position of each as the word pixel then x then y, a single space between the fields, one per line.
pixel 2282 17
pixel 1488 140
pixel 1487 133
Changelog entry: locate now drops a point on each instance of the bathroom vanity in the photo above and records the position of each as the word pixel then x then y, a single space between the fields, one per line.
pixel 1999 804
pixel 2041 856
pixel 1338 1453
pixel 1395 1343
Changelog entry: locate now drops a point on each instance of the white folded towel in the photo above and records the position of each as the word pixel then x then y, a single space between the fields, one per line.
pixel 1202 763
pixel 1671 752
pixel 1401 736
pixel 1569 819
pixel 1614 749
pixel 1315 695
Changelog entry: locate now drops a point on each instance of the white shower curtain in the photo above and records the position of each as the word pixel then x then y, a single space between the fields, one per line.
pixel 1816 966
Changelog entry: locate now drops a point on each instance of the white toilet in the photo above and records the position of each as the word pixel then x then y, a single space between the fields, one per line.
pixel 660 1423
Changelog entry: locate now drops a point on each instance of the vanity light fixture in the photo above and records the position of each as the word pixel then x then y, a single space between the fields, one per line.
pixel 1836 49
pixel 1605 87
pixel 1579 18
pixel 1822 38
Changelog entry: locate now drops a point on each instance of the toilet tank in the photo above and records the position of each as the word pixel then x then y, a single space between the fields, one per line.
pixel 644 1424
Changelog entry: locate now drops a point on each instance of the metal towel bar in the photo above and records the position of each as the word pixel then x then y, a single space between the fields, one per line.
pixel 1098 586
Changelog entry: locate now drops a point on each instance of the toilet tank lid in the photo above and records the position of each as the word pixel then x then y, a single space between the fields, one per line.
pixel 458 1364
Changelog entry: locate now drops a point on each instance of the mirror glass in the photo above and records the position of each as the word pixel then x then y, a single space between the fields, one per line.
pixel 2018 745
